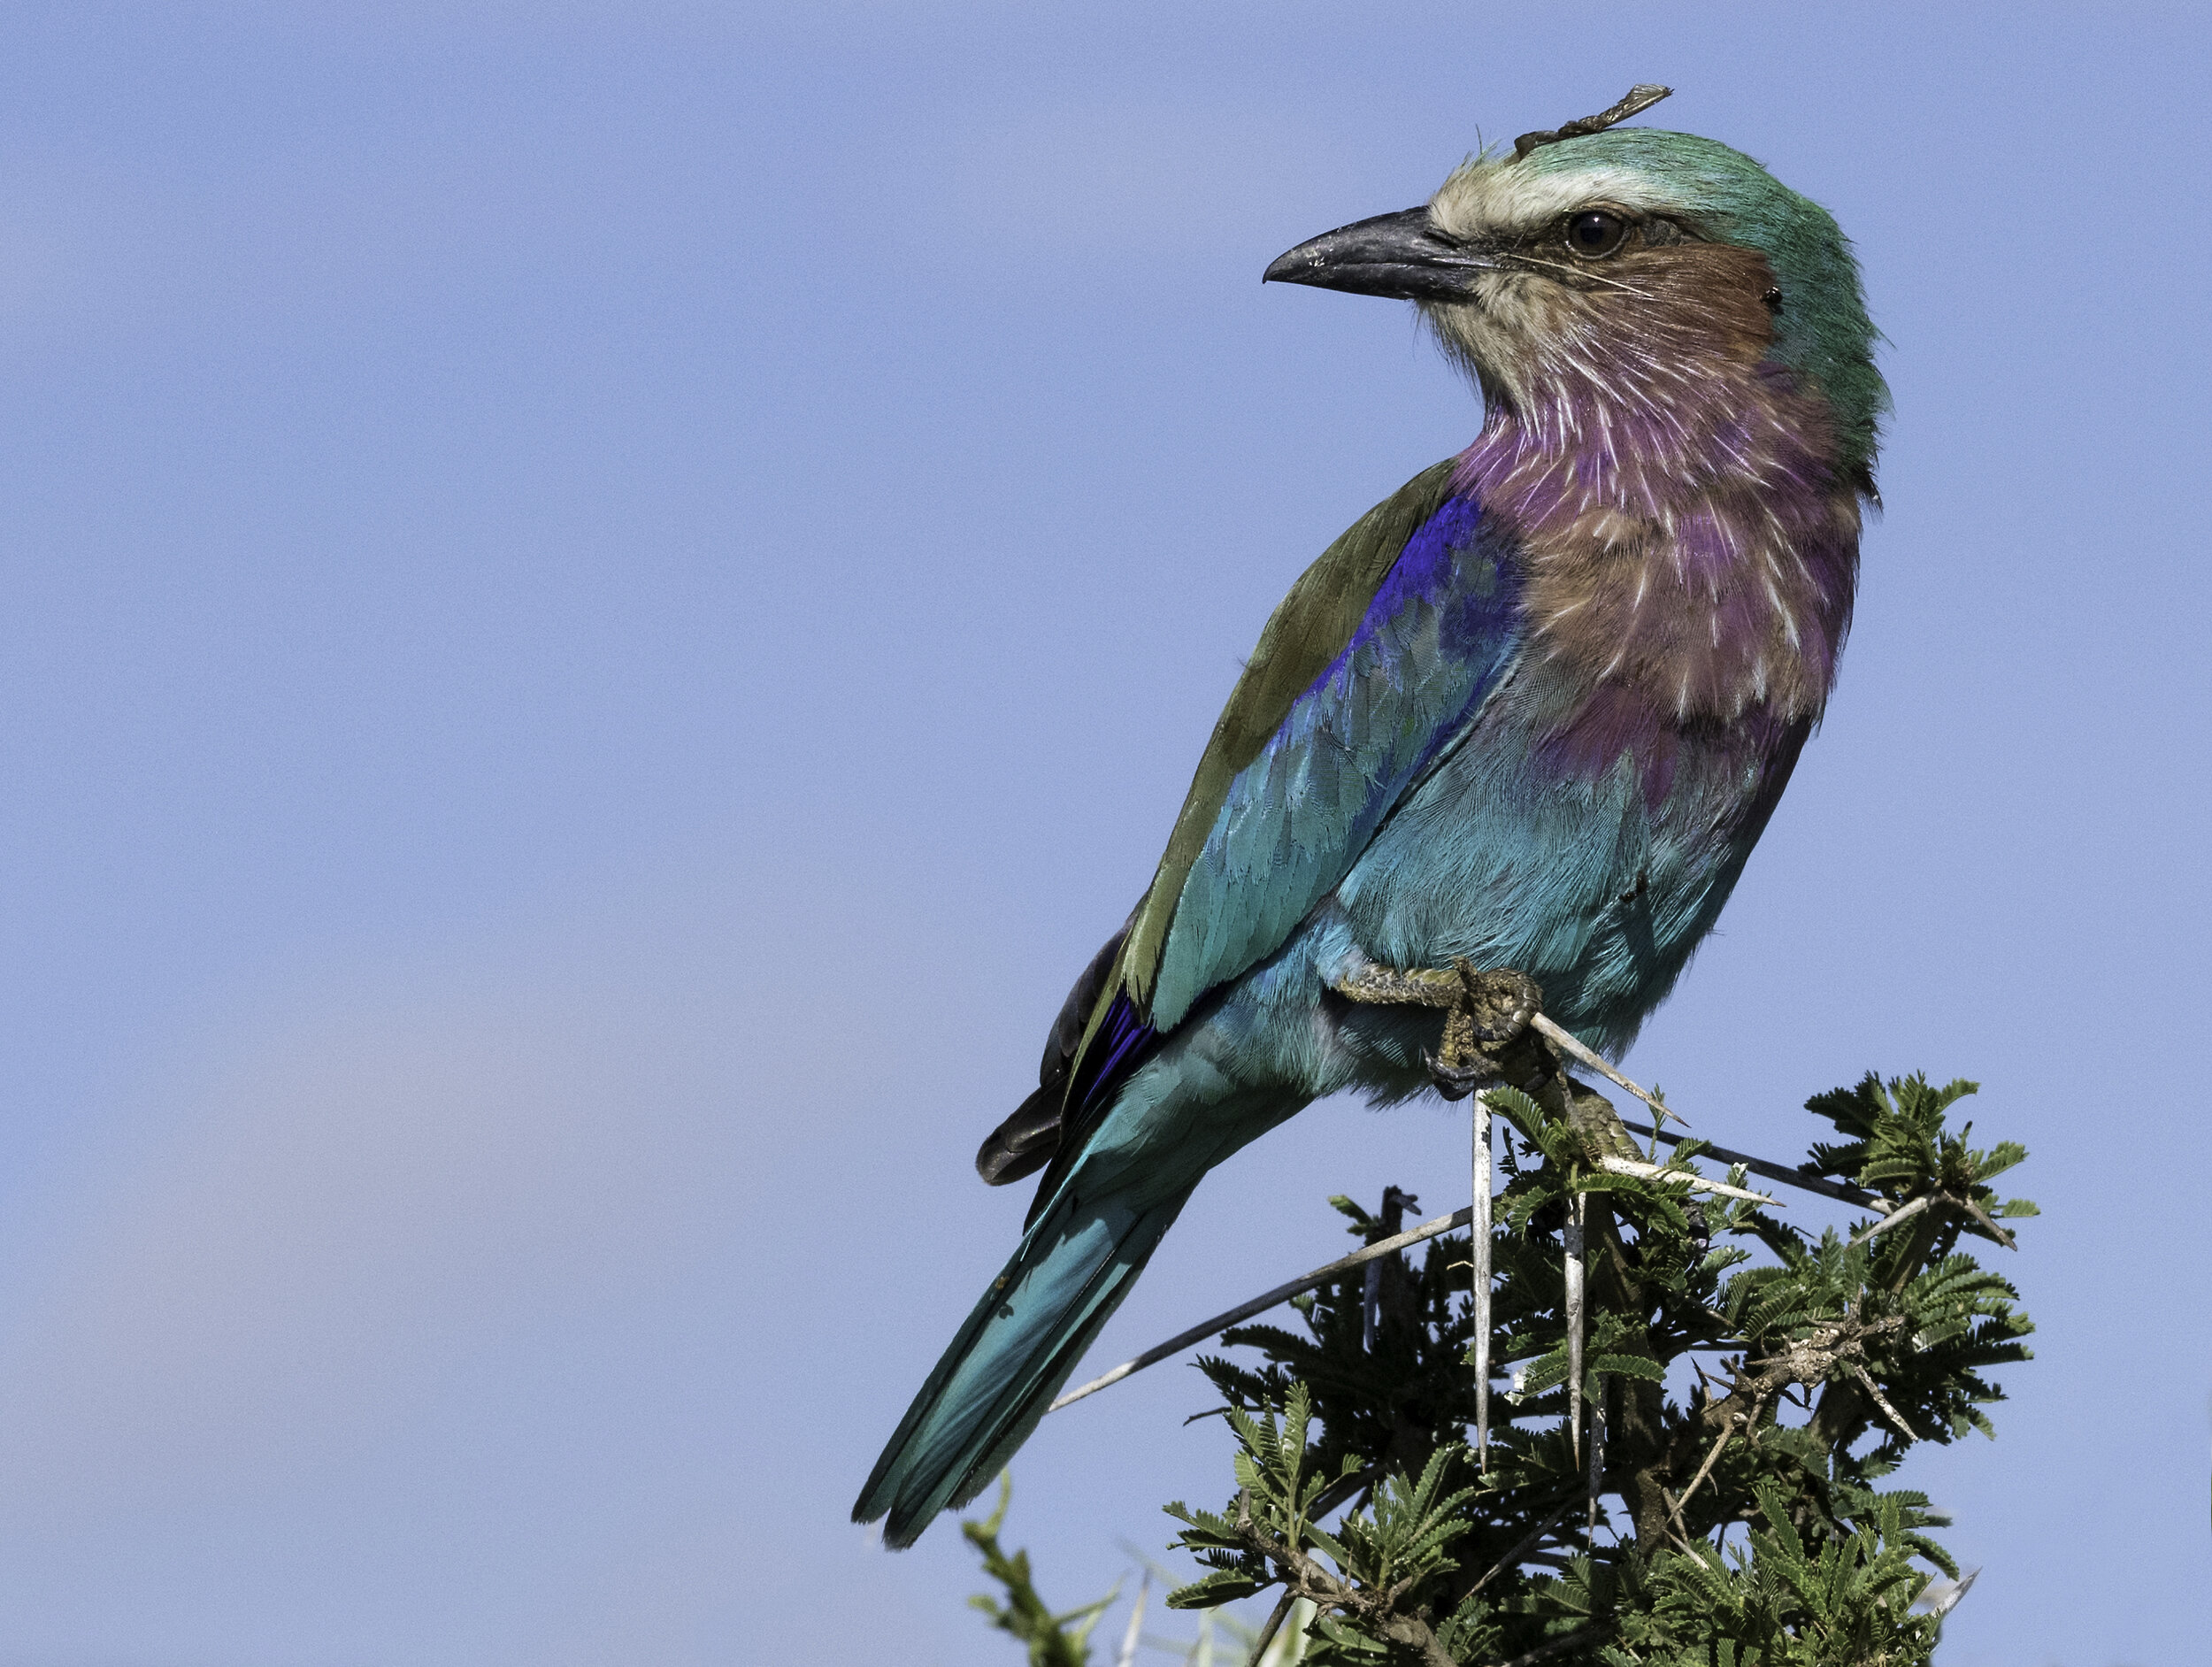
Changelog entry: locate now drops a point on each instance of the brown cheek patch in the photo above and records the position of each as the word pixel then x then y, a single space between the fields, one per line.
pixel 1703 293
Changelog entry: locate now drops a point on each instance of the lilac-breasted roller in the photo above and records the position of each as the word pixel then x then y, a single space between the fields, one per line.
pixel 1531 713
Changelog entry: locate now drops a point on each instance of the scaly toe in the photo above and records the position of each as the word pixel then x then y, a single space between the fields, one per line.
pixel 1499 1004
pixel 1456 1082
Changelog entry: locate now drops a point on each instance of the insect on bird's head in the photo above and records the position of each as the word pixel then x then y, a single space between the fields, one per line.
pixel 1592 252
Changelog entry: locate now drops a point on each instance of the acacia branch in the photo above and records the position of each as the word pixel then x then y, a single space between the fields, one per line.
pixel 1377 1611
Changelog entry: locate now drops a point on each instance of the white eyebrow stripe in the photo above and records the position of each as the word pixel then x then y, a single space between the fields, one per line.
pixel 1496 196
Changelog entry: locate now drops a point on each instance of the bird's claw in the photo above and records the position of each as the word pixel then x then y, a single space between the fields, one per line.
pixel 1456 1082
pixel 1491 1014
pixel 1485 1014
pixel 1499 1005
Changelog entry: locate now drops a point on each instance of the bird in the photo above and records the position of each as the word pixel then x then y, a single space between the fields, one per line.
pixel 1524 719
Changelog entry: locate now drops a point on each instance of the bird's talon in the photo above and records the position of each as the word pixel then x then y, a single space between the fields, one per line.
pixel 1456 1082
pixel 1485 1014
pixel 1498 1006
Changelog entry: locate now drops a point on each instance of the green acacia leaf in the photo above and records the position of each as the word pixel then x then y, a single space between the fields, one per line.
pixel 1223 1587
pixel 1630 1366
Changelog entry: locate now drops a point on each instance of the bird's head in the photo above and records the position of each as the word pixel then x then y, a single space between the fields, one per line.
pixel 1620 264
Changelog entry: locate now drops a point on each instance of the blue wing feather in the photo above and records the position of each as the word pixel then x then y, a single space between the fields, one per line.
pixel 1430 648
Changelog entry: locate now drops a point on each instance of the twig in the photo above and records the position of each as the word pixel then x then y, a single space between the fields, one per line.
pixel 1543 1652
pixel 1342 1489
pixel 1274 1625
pixel 1678 1532
pixel 1591 1057
pixel 1641 96
pixel 1376 1611
pixel 1705 1470
pixel 1799 1179
pixel 1266 1300
pixel 1895 1216
pixel 1527 1543
pixel 1394 1200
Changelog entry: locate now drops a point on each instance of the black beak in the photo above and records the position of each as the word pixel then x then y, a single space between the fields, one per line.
pixel 1400 256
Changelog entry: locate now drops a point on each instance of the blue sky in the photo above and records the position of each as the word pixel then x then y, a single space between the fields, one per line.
pixel 603 604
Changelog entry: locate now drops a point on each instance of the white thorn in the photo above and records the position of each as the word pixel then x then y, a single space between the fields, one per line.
pixel 1480 1256
pixel 1943 1596
pixel 1591 1057
pixel 1894 1216
pixel 1571 1237
pixel 1691 1178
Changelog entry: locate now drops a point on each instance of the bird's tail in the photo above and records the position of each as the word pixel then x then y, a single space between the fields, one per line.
pixel 1016 1349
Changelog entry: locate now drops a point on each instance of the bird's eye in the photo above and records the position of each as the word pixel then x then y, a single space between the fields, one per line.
pixel 1594 233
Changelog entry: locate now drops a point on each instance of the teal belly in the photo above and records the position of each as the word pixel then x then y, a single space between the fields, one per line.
pixel 1586 883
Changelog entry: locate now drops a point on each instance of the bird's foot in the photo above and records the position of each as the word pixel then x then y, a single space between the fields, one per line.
pixel 1456 1082
pixel 1486 1020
